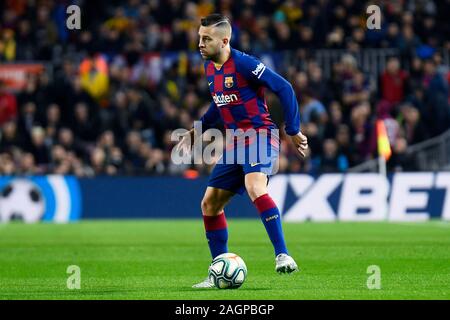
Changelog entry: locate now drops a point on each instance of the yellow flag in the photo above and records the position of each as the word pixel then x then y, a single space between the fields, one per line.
pixel 384 148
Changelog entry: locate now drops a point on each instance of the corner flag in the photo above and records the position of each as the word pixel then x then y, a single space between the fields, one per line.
pixel 384 148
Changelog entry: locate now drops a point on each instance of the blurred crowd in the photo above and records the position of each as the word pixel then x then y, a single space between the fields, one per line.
pixel 119 86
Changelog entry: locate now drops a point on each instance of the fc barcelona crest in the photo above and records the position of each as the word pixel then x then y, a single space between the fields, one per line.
pixel 228 82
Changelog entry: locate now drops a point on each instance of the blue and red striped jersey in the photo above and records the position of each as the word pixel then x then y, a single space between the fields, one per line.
pixel 237 89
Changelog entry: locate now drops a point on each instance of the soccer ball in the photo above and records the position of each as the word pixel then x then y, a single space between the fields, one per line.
pixel 227 271
pixel 21 200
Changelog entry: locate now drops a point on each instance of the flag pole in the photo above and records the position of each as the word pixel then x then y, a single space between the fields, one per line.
pixel 382 165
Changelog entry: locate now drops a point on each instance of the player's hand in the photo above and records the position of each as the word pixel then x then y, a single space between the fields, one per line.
pixel 300 142
pixel 186 142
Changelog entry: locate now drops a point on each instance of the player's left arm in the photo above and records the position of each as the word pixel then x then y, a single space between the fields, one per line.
pixel 257 72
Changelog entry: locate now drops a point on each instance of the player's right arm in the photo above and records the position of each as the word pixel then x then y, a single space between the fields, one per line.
pixel 209 120
pixel 211 117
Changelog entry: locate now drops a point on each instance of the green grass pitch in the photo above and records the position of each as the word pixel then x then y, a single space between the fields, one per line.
pixel 161 259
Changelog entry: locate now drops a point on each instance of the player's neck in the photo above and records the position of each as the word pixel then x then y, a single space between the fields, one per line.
pixel 223 57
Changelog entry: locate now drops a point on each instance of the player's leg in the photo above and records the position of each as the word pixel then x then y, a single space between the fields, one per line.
pixel 212 205
pixel 256 185
pixel 225 181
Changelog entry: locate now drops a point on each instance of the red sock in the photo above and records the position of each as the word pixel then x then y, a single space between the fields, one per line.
pixel 216 233
pixel 213 223
pixel 271 218
pixel 264 203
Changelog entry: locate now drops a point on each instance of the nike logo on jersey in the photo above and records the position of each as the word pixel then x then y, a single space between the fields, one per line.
pixel 254 164
pixel 210 83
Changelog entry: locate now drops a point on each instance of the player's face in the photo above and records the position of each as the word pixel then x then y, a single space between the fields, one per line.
pixel 209 43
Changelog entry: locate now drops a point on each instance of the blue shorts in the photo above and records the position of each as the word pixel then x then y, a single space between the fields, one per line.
pixel 231 175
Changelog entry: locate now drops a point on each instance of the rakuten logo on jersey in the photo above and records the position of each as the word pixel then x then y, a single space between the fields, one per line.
pixel 223 99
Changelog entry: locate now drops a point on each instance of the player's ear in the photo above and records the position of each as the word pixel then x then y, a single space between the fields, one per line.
pixel 225 42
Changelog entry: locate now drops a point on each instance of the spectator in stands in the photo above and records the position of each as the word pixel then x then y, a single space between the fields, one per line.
pixel 38 148
pixel 68 142
pixel 28 118
pixel 27 165
pixel 312 110
pixel 330 160
pixel 140 109
pixel 436 97
pixel 8 105
pixel 408 41
pixel 76 94
pixel 335 119
pixel 24 41
pixel 84 125
pixel 106 142
pixel 58 157
pixel 46 33
pixel 98 163
pixel 10 138
pixel 393 82
pixel 7 46
pixel 7 166
pixel 345 147
pixel 414 131
pixel 393 36
pixel 441 67
pixel 400 160
pixel 52 123
pixel 356 91
pixel 317 83
pixel 361 129
pixel 132 147
pixel 94 77
pixel 120 118
pixel 30 92
pixel 115 159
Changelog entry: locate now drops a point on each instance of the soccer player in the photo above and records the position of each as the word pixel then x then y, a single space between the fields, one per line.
pixel 236 81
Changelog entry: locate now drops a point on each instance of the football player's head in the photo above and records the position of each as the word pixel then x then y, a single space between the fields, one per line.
pixel 215 35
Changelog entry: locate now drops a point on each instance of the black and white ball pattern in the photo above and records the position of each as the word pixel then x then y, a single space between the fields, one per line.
pixel 227 271
pixel 21 199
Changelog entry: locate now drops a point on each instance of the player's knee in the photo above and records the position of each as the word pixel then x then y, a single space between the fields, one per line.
pixel 204 206
pixel 255 190
pixel 209 207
